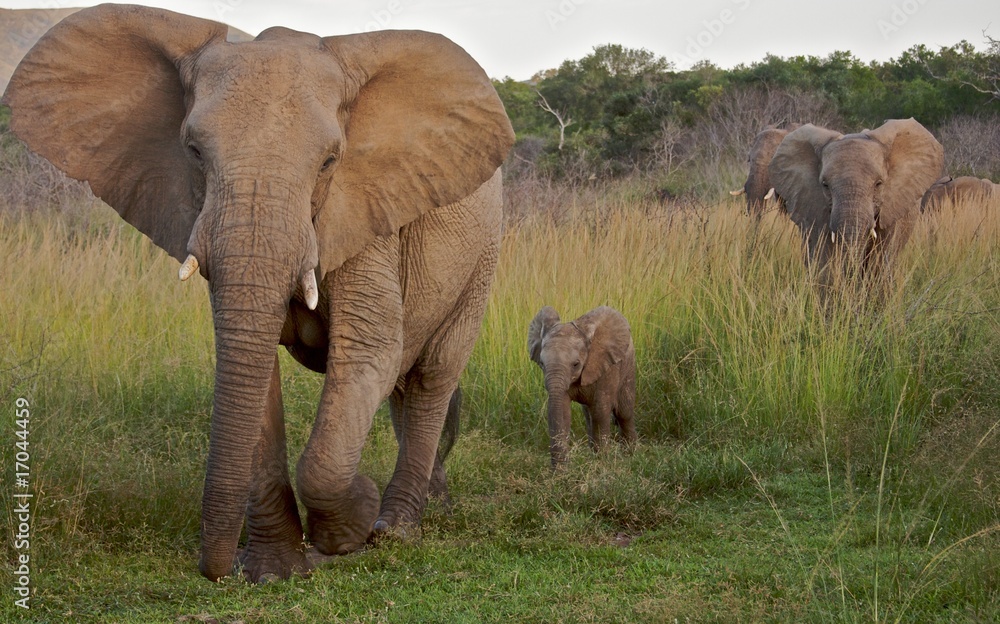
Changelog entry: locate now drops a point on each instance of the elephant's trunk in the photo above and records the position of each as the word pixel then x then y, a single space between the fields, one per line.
pixel 559 410
pixel 757 186
pixel 852 220
pixel 254 265
pixel 244 362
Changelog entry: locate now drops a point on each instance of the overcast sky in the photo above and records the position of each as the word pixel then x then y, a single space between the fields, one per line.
pixel 520 37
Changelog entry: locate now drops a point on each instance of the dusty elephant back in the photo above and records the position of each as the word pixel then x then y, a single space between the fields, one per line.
pixel 960 190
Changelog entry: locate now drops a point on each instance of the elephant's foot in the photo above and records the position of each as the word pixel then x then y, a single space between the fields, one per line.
pixel 267 562
pixel 398 522
pixel 390 529
pixel 316 558
pixel 346 527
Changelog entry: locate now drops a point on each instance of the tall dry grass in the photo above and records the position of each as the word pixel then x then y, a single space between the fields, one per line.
pixel 736 357
pixel 736 351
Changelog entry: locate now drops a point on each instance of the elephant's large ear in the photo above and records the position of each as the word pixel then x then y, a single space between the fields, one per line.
pixel 610 339
pixel 795 175
pixel 424 128
pixel 543 321
pixel 914 161
pixel 100 96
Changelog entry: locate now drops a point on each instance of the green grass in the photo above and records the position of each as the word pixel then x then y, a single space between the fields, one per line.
pixel 796 463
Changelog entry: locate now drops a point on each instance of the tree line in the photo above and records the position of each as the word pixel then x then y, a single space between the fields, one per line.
pixel 619 110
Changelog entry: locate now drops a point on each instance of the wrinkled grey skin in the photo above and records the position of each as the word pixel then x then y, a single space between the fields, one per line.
pixel 859 194
pixel 959 190
pixel 758 183
pixel 368 162
pixel 591 361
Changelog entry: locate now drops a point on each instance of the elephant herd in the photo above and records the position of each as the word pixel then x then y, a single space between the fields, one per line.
pixel 342 198
pixel 860 194
pixel 855 197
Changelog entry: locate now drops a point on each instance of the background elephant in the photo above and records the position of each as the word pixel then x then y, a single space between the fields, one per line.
pixel 856 192
pixel 342 197
pixel 758 189
pixel 591 361
pixel 959 190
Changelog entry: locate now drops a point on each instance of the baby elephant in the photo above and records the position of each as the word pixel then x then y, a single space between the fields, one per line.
pixel 591 361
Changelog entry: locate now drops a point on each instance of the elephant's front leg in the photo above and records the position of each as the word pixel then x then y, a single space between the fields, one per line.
pixel 600 423
pixel 274 546
pixel 365 348
pixel 588 421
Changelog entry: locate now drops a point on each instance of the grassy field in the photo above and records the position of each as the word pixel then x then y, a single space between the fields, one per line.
pixel 795 464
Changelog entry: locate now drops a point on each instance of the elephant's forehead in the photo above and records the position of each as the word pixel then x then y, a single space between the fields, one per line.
pixel 768 140
pixel 274 88
pixel 562 334
pixel 268 65
pixel 854 156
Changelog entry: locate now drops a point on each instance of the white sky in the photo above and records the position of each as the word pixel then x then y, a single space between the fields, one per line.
pixel 520 37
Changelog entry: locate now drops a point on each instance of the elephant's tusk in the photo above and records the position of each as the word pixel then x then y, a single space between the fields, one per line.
pixel 833 237
pixel 873 235
pixel 188 268
pixel 310 291
pixel 737 193
pixel 770 194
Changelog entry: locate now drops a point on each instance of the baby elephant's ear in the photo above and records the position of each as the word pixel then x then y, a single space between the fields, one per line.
pixel 542 323
pixel 610 339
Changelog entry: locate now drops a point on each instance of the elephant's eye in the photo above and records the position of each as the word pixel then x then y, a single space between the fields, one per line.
pixel 825 184
pixel 878 183
pixel 195 151
pixel 576 364
pixel 327 163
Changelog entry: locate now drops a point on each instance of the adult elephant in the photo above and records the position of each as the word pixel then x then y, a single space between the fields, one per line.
pixel 959 190
pixel 758 189
pixel 342 197
pixel 859 193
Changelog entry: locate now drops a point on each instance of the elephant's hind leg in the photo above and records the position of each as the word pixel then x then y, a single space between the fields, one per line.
pixel 452 424
pixel 430 386
pixel 274 546
pixel 438 488
pixel 419 423
pixel 625 410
